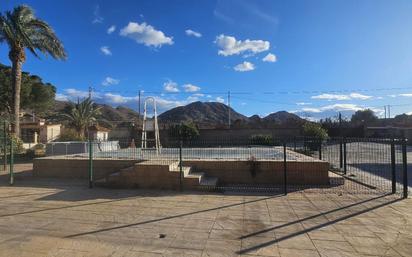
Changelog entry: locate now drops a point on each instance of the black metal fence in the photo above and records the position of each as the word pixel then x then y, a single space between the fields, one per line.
pixel 7 151
pixel 278 165
pixel 338 165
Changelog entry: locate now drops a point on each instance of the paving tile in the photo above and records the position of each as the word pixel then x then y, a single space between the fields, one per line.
pixel 404 249
pixel 326 235
pixel 174 252
pixel 367 245
pixel 260 246
pixel 295 241
pixel 338 253
pixel 120 223
pixel 285 252
pixel 222 248
pixel 333 245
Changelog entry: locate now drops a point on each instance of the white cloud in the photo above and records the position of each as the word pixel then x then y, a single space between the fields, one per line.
pixel 118 99
pixel 192 98
pixel 73 93
pixel 359 96
pixel 105 50
pixel 190 88
pixel 111 29
pixel 220 99
pixel 406 95
pixel 193 33
pixel 303 103
pixel 61 97
pixel 145 34
pixel 338 107
pixel 97 18
pixel 170 86
pixel 331 97
pixel 332 110
pixel 109 81
pixel 244 66
pixel 230 46
pixel 341 97
pixel 270 58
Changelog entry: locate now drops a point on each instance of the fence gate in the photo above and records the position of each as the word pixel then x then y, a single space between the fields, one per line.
pixel 7 150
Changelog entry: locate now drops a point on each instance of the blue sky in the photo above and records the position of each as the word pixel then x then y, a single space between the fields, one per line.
pixel 314 58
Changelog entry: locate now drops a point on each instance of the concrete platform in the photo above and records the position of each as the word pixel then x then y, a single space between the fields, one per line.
pixel 62 217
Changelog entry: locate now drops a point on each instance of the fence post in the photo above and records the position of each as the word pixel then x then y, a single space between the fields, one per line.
pixel 294 143
pixel 393 166
pixel 90 164
pixel 180 165
pixel 340 153
pixel 285 181
pixel 11 163
pixel 344 156
pixel 320 148
pixel 405 169
pixel 5 146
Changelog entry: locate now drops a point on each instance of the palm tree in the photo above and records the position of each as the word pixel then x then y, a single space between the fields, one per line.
pixel 20 29
pixel 82 115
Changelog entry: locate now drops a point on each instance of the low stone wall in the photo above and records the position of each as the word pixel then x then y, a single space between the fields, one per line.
pixel 302 172
pixel 54 167
pixel 310 172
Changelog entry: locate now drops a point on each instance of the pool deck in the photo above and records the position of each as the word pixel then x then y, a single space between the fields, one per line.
pixel 50 217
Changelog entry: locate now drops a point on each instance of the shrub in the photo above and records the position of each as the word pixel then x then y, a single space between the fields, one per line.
pixel 261 140
pixel 70 135
pixel 316 135
pixel 315 130
pixel 17 145
pixel 186 131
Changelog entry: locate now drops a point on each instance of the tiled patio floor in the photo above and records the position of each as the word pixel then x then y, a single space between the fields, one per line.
pixel 65 218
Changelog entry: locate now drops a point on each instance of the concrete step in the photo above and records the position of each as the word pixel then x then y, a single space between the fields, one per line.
pixel 335 179
pixel 208 181
pixel 193 174
pixel 186 170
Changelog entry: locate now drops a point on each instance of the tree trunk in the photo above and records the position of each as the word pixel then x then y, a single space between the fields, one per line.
pixel 17 88
pixel 17 56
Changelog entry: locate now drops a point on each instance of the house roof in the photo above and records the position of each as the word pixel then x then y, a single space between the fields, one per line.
pixel 99 128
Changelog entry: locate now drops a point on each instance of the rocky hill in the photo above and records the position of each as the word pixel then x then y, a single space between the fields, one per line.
pixel 204 113
pixel 283 117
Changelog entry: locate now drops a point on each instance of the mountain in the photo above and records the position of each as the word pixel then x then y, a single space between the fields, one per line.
pixel 204 113
pixel 283 117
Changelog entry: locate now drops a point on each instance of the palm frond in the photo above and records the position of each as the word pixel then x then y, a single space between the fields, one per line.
pixel 21 29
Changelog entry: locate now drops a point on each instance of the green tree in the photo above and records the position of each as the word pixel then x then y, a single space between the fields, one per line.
pixel 82 115
pixel 364 117
pixel 20 29
pixel 314 130
pixel 186 131
pixel 35 95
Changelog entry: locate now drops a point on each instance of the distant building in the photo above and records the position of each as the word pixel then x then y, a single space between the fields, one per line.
pixel 389 131
pixel 99 133
pixel 34 130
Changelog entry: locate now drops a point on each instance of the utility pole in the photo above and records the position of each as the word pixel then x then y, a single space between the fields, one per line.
pixel 90 92
pixel 340 124
pixel 384 107
pixel 389 111
pixel 140 94
pixel 228 103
